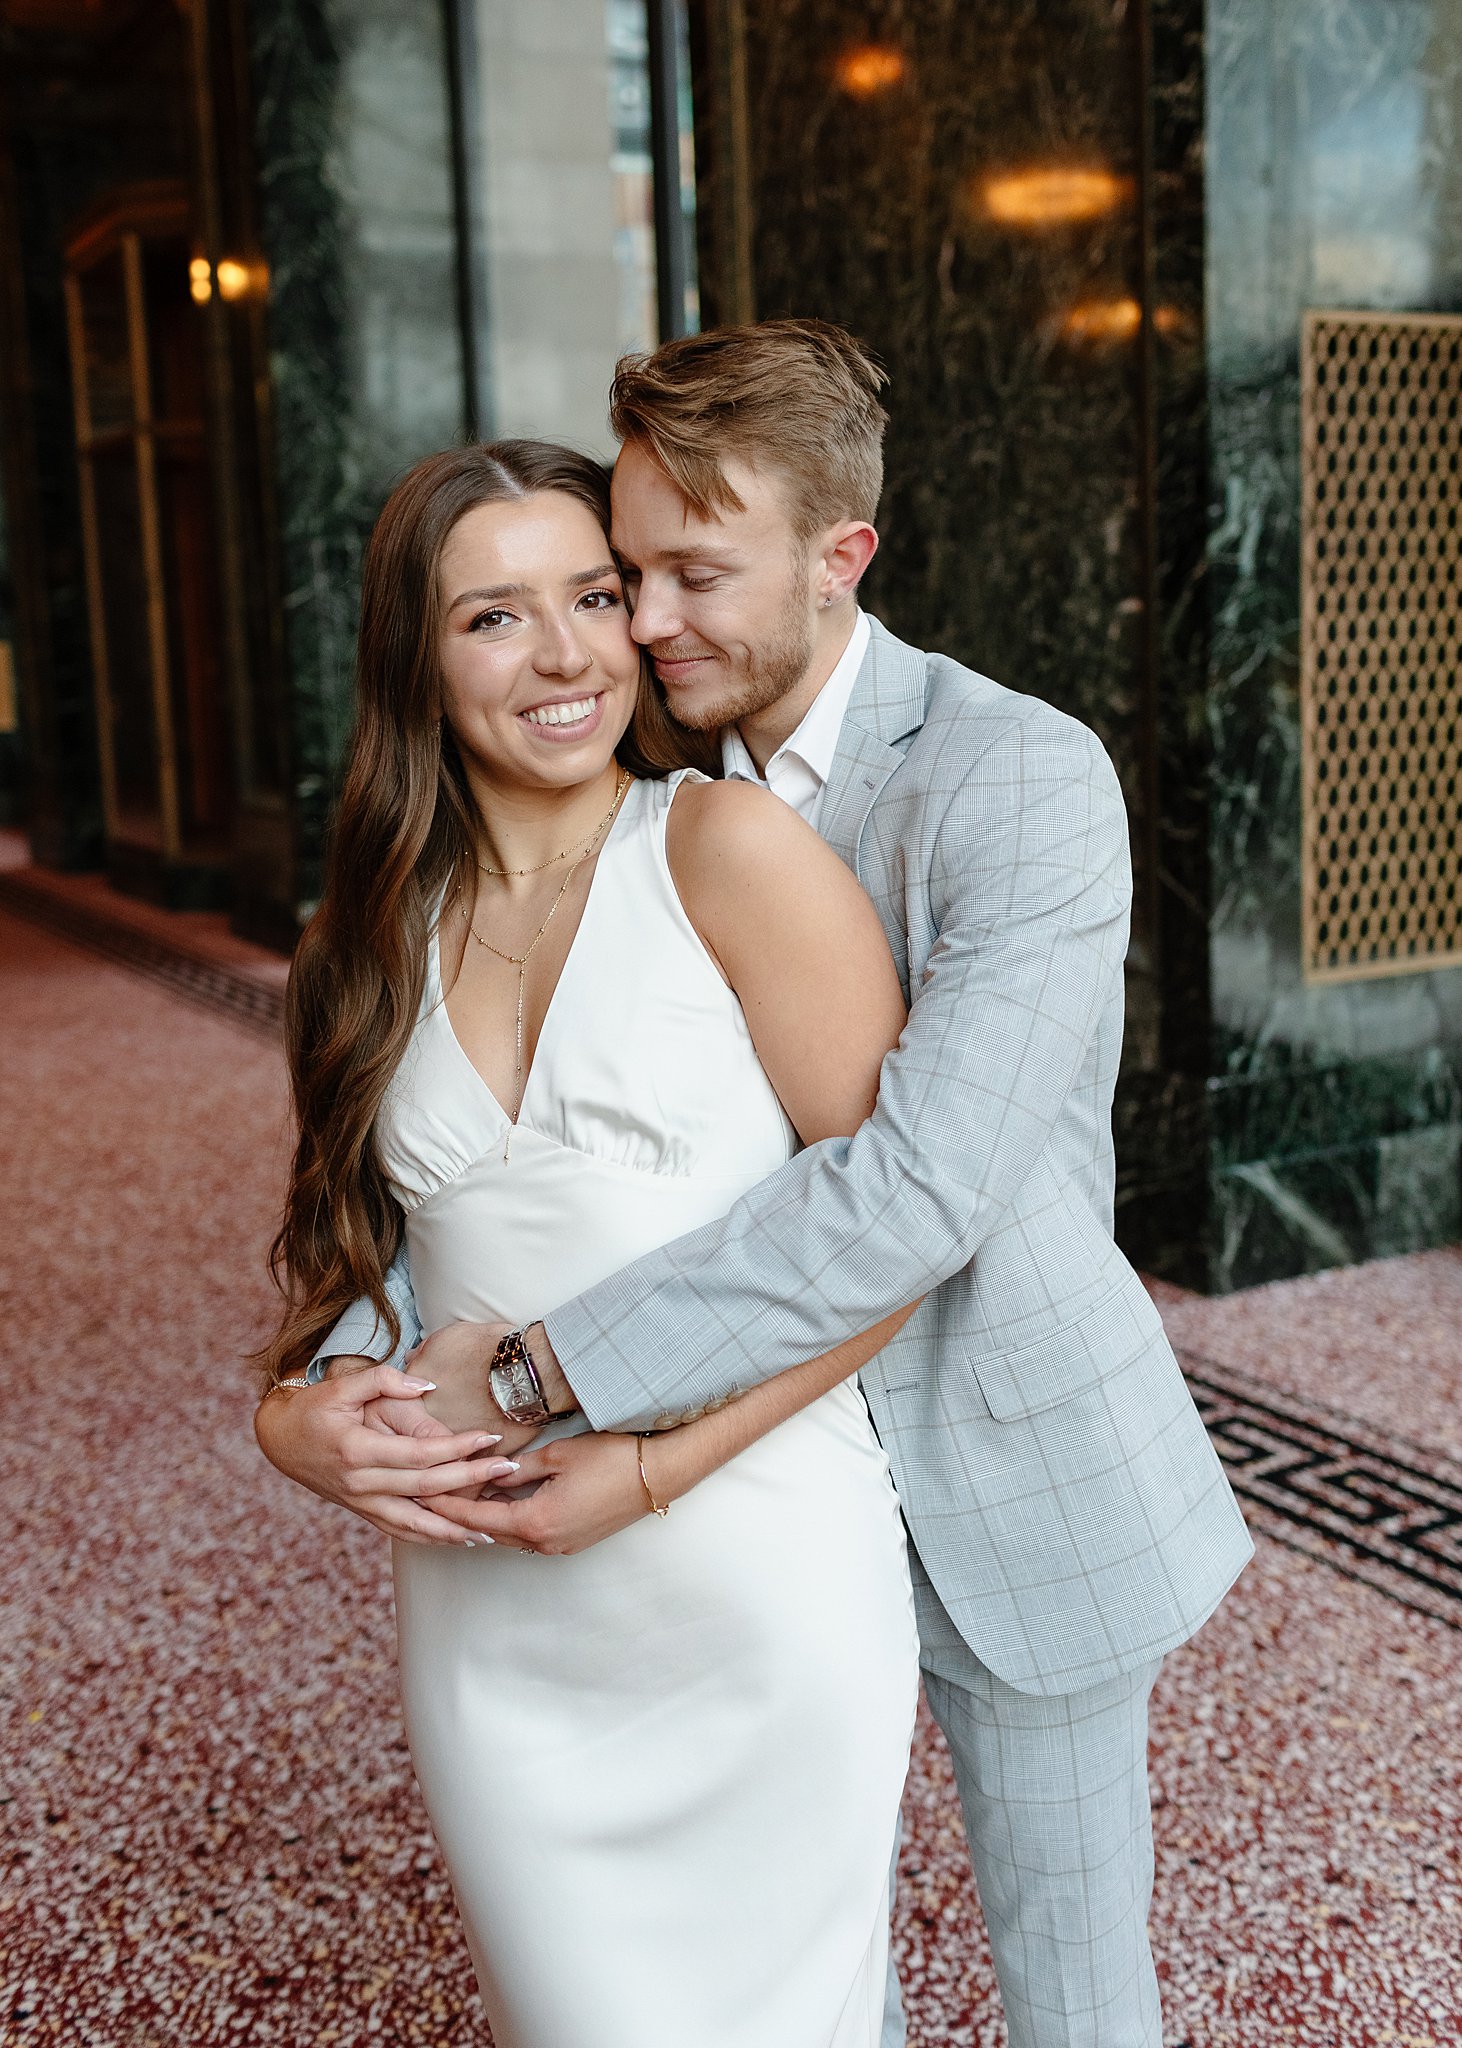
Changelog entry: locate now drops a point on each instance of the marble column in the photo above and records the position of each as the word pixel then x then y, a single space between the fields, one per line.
pixel 354 152
pixel 1093 491
pixel 1006 203
pixel 1333 181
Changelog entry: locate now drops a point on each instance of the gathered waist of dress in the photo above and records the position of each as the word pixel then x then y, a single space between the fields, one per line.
pixel 510 1240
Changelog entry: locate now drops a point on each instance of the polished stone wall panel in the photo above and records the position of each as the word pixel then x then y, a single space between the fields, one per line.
pixel 1010 518
pixel 1333 181
pixel 1045 512
pixel 357 220
pixel 1112 520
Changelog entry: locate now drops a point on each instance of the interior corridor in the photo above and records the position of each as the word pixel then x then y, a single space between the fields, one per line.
pixel 211 1830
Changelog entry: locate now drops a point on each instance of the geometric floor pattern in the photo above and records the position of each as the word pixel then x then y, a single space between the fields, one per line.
pixel 1372 1505
pixel 209 1833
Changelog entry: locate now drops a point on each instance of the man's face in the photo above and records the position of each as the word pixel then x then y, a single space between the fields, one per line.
pixel 725 605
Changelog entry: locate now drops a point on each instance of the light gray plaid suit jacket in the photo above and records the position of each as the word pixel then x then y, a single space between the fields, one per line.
pixel 1057 1481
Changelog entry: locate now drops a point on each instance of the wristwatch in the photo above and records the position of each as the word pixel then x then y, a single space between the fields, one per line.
pixel 514 1382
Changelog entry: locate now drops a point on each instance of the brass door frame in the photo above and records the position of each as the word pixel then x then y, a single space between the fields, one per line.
pixel 91 556
pixel 164 212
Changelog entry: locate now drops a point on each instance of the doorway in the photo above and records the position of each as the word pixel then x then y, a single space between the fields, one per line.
pixel 152 601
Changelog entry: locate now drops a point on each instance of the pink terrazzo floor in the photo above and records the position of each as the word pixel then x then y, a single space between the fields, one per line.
pixel 210 1830
pixel 1381 1343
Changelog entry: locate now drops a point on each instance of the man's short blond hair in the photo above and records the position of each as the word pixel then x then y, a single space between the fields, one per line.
pixel 799 397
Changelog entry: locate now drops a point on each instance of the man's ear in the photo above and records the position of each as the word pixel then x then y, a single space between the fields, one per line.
pixel 846 551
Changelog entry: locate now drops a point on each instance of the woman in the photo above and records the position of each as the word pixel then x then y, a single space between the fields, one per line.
pixel 558 1007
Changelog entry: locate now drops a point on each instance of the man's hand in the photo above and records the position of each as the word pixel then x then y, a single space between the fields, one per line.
pixel 457 1358
pixel 362 1441
pixel 584 1489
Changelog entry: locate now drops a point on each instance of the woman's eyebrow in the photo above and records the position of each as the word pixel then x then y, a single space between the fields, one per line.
pixel 491 594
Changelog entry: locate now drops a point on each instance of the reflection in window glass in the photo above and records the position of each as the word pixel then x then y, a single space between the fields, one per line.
pixel 685 114
pixel 559 150
pixel 632 169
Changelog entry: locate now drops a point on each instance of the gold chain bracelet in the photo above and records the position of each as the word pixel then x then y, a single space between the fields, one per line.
pixel 655 1507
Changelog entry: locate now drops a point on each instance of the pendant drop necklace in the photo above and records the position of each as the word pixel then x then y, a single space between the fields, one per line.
pixel 520 960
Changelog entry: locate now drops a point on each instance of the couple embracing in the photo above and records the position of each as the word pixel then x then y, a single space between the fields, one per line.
pixel 706 1043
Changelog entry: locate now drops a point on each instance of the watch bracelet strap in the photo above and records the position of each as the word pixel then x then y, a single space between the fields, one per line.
pixel 519 1341
pixel 512 1350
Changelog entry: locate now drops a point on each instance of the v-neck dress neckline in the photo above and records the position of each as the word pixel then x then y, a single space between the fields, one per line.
pixel 640 1047
pixel 437 988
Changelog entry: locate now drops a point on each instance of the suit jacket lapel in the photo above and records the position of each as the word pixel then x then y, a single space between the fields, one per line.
pixel 886 706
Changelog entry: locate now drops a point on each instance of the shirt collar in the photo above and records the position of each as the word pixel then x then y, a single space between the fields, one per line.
pixel 815 742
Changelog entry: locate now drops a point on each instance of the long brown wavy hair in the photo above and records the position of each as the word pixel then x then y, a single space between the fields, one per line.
pixel 405 830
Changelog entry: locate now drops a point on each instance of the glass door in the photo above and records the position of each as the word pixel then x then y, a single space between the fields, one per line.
pixel 137 381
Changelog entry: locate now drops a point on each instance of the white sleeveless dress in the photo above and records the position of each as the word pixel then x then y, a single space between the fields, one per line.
pixel 664 1773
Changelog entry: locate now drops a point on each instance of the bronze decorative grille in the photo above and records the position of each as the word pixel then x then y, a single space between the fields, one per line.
pixel 1381 643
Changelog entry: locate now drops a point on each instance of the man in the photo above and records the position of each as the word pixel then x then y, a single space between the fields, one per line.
pixel 1069 1521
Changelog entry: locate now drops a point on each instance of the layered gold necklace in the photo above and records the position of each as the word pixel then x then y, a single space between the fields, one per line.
pixel 520 960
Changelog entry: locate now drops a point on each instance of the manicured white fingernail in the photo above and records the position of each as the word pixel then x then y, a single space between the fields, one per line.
pixel 418 1386
pixel 485 1443
pixel 473 1541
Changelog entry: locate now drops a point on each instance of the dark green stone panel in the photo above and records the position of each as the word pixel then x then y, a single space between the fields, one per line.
pixel 353 143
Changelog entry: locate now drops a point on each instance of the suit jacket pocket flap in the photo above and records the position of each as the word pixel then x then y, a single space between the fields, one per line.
pixel 1053 1368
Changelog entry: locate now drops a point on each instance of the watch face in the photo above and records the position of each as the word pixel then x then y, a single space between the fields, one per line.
pixel 515 1393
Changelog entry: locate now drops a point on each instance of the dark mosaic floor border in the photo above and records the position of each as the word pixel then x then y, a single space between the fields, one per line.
pixel 214 985
pixel 1377 1507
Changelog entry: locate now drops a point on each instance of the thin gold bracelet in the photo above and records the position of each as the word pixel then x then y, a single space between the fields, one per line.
pixel 655 1507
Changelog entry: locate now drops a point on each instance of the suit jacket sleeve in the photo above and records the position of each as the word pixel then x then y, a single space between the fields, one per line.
pixel 360 1333
pixel 1030 890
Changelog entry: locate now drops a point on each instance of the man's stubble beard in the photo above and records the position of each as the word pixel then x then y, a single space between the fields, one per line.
pixel 771 671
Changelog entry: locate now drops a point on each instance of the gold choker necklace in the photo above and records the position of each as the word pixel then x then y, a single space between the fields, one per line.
pixel 578 846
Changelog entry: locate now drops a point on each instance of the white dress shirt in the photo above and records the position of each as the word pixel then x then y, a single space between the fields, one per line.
pixel 799 769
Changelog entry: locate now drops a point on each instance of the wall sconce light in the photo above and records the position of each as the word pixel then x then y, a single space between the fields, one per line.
pixel 1114 320
pixel 235 280
pixel 869 69
pixel 1101 320
pixel 1052 197
pixel 1172 324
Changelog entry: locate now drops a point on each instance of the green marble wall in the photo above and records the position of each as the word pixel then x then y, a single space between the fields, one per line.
pixel 354 163
pixel 1046 502
pixel 1012 521
pixel 1333 180
pixel 1110 519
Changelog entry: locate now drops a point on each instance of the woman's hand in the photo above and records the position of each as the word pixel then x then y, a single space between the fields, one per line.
pixel 456 1359
pixel 588 1487
pixel 363 1441
pixel 584 1488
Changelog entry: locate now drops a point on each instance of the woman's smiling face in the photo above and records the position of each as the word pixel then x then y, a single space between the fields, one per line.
pixel 539 673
